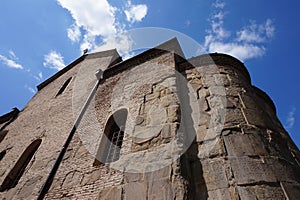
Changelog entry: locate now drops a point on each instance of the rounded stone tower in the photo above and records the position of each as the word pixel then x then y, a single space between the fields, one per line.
pixel 250 156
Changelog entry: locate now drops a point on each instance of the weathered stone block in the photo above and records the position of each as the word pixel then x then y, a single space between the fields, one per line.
pixel 166 131
pixel 208 80
pixel 169 130
pixel 234 91
pixel 203 104
pixel 203 93
pixel 168 100
pixel 111 193
pixel 221 79
pixel 234 117
pixel 91 177
pixel 283 170
pixel 192 73
pixel 164 187
pixel 133 177
pixel 211 148
pixel 291 190
pixel 257 118
pixel 219 102
pixel 28 187
pixel 173 113
pixel 81 151
pixel 250 170
pixel 248 101
pixel 171 90
pixel 244 144
pixel 152 96
pixel 146 133
pixel 217 90
pixel 204 134
pixel 196 84
pixel 204 119
pixel 261 191
pixel 223 194
pixel 135 191
pixel 139 120
pixel 237 80
pixel 214 174
pixel 72 178
pixel 158 174
pixel 201 133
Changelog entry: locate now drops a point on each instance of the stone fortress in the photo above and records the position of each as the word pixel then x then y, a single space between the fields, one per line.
pixel 158 126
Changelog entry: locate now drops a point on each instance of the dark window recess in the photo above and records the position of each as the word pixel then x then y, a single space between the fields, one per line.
pixel 112 139
pixel 64 86
pixel 6 119
pixel 2 154
pixel 2 135
pixel 13 177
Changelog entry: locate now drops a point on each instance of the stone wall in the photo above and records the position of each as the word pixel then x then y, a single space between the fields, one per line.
pixel 196 129
pixel 251 156
pixel 47 117
pixel 151 124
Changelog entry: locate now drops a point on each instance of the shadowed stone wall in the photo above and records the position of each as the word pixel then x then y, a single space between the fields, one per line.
pixel 252 156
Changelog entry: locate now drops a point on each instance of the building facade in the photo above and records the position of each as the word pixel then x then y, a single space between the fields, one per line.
pixel 158 126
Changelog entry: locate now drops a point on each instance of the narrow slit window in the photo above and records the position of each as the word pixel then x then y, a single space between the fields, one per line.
pixel 64 86
pixel 2 135
pixel 2 154
pixel 111 143
pixel 13 177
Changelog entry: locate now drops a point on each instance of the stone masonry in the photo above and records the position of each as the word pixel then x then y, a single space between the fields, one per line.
pixel 195 129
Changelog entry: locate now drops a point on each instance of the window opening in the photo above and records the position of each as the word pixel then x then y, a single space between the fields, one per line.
pixel 13 177
pixel 2 135
pixel 64 86
pixel 111 143
pixel 2 154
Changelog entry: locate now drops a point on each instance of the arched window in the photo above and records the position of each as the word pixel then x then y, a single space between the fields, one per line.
pixel 112 139
pixel 13 177
pixel 64 86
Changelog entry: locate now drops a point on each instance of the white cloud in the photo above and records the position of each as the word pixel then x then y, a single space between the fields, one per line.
pixel 187 23
pixel 96 26
pixel 240 51
pixel 95 16
pixel 30 89
pixel 257 33
pixel 269 28
pixel 135 13
pixel 121 42
pixel 290 120
pixel 219 4
pixel 12 55
pixel 39 77
pixel 11 62
pixel 74 33
pixel 217 30
pixel 247 43
pixel 54 60
pixel 88 42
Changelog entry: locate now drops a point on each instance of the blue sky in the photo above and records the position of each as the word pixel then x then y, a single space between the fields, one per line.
pixel 40 37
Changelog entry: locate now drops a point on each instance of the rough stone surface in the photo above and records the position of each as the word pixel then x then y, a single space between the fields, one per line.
pixel 262 191
pixel 210 136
